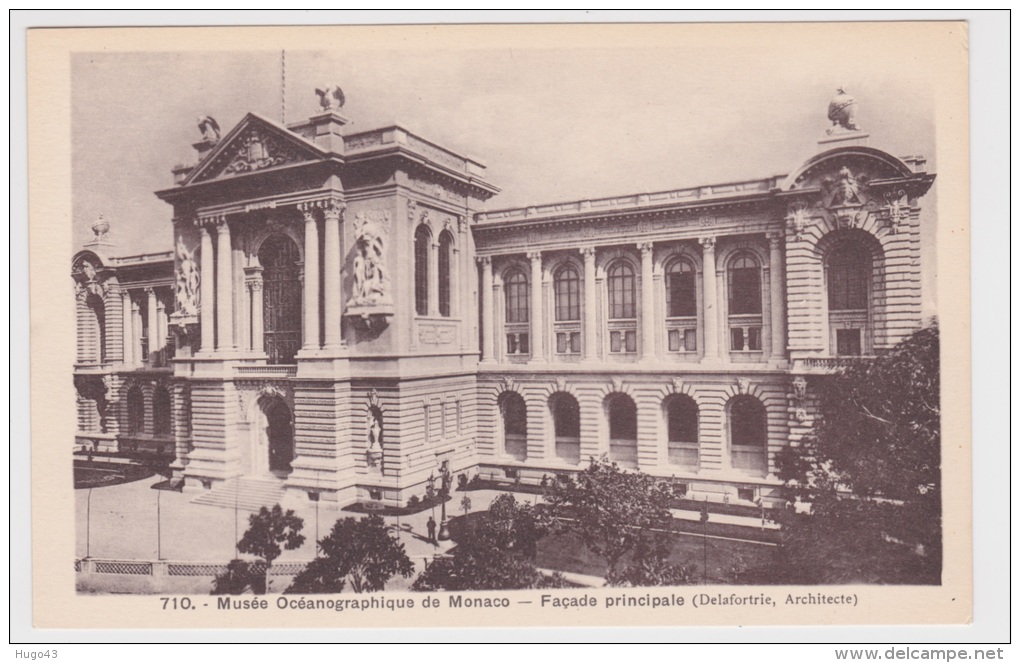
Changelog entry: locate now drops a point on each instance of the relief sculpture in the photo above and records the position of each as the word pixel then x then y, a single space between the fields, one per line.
pixel 187 280
pixel 371 280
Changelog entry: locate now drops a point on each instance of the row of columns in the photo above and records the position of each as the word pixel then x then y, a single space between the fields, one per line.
pixel 131 321
pixel 217 296
pixel 709 295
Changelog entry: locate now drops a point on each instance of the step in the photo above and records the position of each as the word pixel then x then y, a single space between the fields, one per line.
pixel 249 494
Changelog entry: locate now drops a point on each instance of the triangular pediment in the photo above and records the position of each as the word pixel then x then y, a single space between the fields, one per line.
pixel 255 144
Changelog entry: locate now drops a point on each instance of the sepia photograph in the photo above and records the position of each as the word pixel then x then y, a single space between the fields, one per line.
pixel 652 323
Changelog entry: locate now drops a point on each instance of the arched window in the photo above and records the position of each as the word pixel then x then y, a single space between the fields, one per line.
pixel 622 414
pixel 682 430
pixel 422 239
pixel 622 308
pixel 514 417
pixel 681 290
pixel 567 286
pixel 748 429
pixel 745 286
pixel 567 314
pixel 621 291
pixel 445 266
pixel 681 307
pixel 161 412
pixel 848 284
pixel 744 280
pixel 566 417
pixel 135 411
pixel 518 304
pixel 517 296
pixel 849 275
pixel 281 299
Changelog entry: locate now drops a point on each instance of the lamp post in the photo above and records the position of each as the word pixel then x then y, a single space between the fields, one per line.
pixel 444 525
pixel 159 526
pixel 88 525
pixel 430 493
pixel 704 542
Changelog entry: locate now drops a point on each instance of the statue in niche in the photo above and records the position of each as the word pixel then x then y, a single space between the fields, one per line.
pixel 187 280
pixel 371 282
pixel 373 425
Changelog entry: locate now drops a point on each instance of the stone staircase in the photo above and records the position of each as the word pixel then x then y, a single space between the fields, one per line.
pixel 247 493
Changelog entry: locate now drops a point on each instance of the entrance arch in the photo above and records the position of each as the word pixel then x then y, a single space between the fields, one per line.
pixel 272 437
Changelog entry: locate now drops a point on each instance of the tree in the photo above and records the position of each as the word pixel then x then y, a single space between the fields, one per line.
pixel 495 551
pixel 267 531
pixel 612 511
pixel 649 566
pixel 240 577
pixel 360 550
pixel 871 472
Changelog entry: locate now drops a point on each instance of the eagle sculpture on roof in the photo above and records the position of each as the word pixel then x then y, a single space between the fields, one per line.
pixel 331 97
pixel 209 128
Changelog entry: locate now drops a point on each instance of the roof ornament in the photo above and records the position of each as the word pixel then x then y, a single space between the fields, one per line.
pixel 843 112
pixel 100 227
pixel 331 97
pixel 209 128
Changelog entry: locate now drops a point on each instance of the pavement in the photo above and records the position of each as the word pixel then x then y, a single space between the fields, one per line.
pixel 134 521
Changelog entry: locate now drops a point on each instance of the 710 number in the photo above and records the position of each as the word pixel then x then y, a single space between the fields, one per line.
pixel 183 603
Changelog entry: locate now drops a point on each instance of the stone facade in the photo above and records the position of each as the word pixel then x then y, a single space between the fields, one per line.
pixel 339 312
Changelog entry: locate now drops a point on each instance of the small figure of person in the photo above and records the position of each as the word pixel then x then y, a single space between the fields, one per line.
pixel 431 527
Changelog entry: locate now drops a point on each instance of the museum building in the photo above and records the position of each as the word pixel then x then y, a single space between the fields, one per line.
pixel 341 317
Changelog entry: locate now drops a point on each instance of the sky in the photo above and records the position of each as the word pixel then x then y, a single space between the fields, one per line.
pixel 552 123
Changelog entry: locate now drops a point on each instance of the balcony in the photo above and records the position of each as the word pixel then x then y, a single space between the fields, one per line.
pixel 831 364
pixel 266 371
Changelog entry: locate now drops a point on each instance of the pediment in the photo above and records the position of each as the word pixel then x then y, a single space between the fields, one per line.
pixel 255 144
pixel 829 168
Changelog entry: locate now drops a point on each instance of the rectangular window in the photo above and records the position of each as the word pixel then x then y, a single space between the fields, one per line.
pixel 674 340
pixel 623 341
pixel 754 338
pixel 568 342
pixel 511 344
pixel 523 344
pixel 737 338
pixel 691 340
pixel 848 342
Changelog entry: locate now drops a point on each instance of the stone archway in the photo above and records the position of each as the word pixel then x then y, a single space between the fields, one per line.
pixel 272 450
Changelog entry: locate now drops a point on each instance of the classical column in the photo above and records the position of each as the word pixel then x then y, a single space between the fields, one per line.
pixel 537 330
pixel 711 300
pixel 311 285
pixel 257 342
pixel 224 289
pixel 776 304
pixel 207 300
pixel 153 322
pixel 136 325
pixel 129 328
pixel 487 332
pixel 161 324
pixel 331 272
pixel 647 303
pixel 590 321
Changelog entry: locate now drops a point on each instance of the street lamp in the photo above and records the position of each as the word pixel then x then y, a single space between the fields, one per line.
pixel 444 525
pixel 430 493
